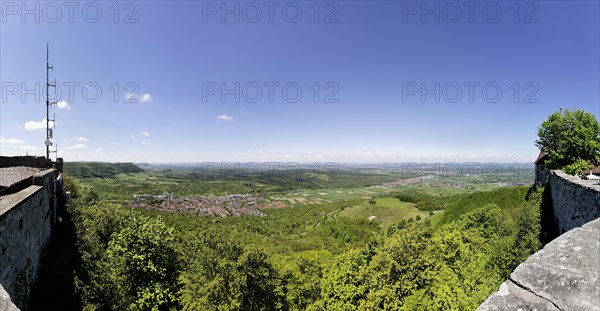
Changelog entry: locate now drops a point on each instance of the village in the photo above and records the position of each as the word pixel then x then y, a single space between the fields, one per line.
pixel 230 205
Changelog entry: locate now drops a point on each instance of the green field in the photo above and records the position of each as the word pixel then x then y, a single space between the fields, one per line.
pixel 387 211
pixel 321 196
pixel 436 218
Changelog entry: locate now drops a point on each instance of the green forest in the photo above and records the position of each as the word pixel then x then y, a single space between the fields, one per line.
pixel 451 256
pixel 99 169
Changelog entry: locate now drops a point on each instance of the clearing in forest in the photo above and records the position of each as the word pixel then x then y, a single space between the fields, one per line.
pixel 387 211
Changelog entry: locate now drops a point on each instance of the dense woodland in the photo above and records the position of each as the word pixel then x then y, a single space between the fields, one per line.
pixel 107 256
pixel 99 169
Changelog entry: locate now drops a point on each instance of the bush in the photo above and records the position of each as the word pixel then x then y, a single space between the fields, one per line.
pixel 576 167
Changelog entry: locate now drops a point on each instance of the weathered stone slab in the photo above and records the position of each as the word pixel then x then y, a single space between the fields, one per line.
pixel 11 175
pixel 5 303
pixel 592 225
pixel 564 275
pixel 566 271
pixel 512 297
pixel 11 200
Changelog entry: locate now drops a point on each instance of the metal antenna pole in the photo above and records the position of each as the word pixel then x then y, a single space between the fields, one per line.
pixel 55 151
pixel 49 103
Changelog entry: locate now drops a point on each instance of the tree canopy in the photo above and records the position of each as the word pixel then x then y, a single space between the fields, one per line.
pixel 571 139
pixel 295 258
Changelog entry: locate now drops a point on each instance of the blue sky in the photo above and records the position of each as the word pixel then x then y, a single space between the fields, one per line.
pixel 168 71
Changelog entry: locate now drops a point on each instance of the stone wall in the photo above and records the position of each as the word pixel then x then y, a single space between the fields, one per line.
pixel 574 201
pixel 565 274
pixel 29 161
pixel 25 228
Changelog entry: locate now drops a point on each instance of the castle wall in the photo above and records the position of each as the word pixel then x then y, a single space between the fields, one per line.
pixel 29 161
pixel 25 228
pixel 565 274
pixel 574 201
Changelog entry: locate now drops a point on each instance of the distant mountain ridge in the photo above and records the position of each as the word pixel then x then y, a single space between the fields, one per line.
pixel 99 169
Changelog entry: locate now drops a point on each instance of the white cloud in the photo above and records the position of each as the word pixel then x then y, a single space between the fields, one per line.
pixel 98 150
pixel 10 141
pixel 144 98
pixel 144 133
pixel 33 125
pixel 28 148
pixel 16 144
pixel 114 143
pixel 132 136
pixel 145 143
pixel 77 147
pixel 63 105
pixel 224 117
pixel 81 139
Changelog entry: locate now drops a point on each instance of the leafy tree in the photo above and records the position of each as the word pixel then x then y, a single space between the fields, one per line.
pixel 301 278
pixel 504 198
pixel 142 265
pixel 72 185
pixel 527 240
pixel 342 282
pixel 572 137
pixel 222 275
pixel 128 260
pixel 402 224
pixel 485 220
pixel 261 283
pixel 577 166
pixel 95 225
pixel 461 278
pixel 398 269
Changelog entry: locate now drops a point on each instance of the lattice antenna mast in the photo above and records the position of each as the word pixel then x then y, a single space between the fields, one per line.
pixel 49 103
